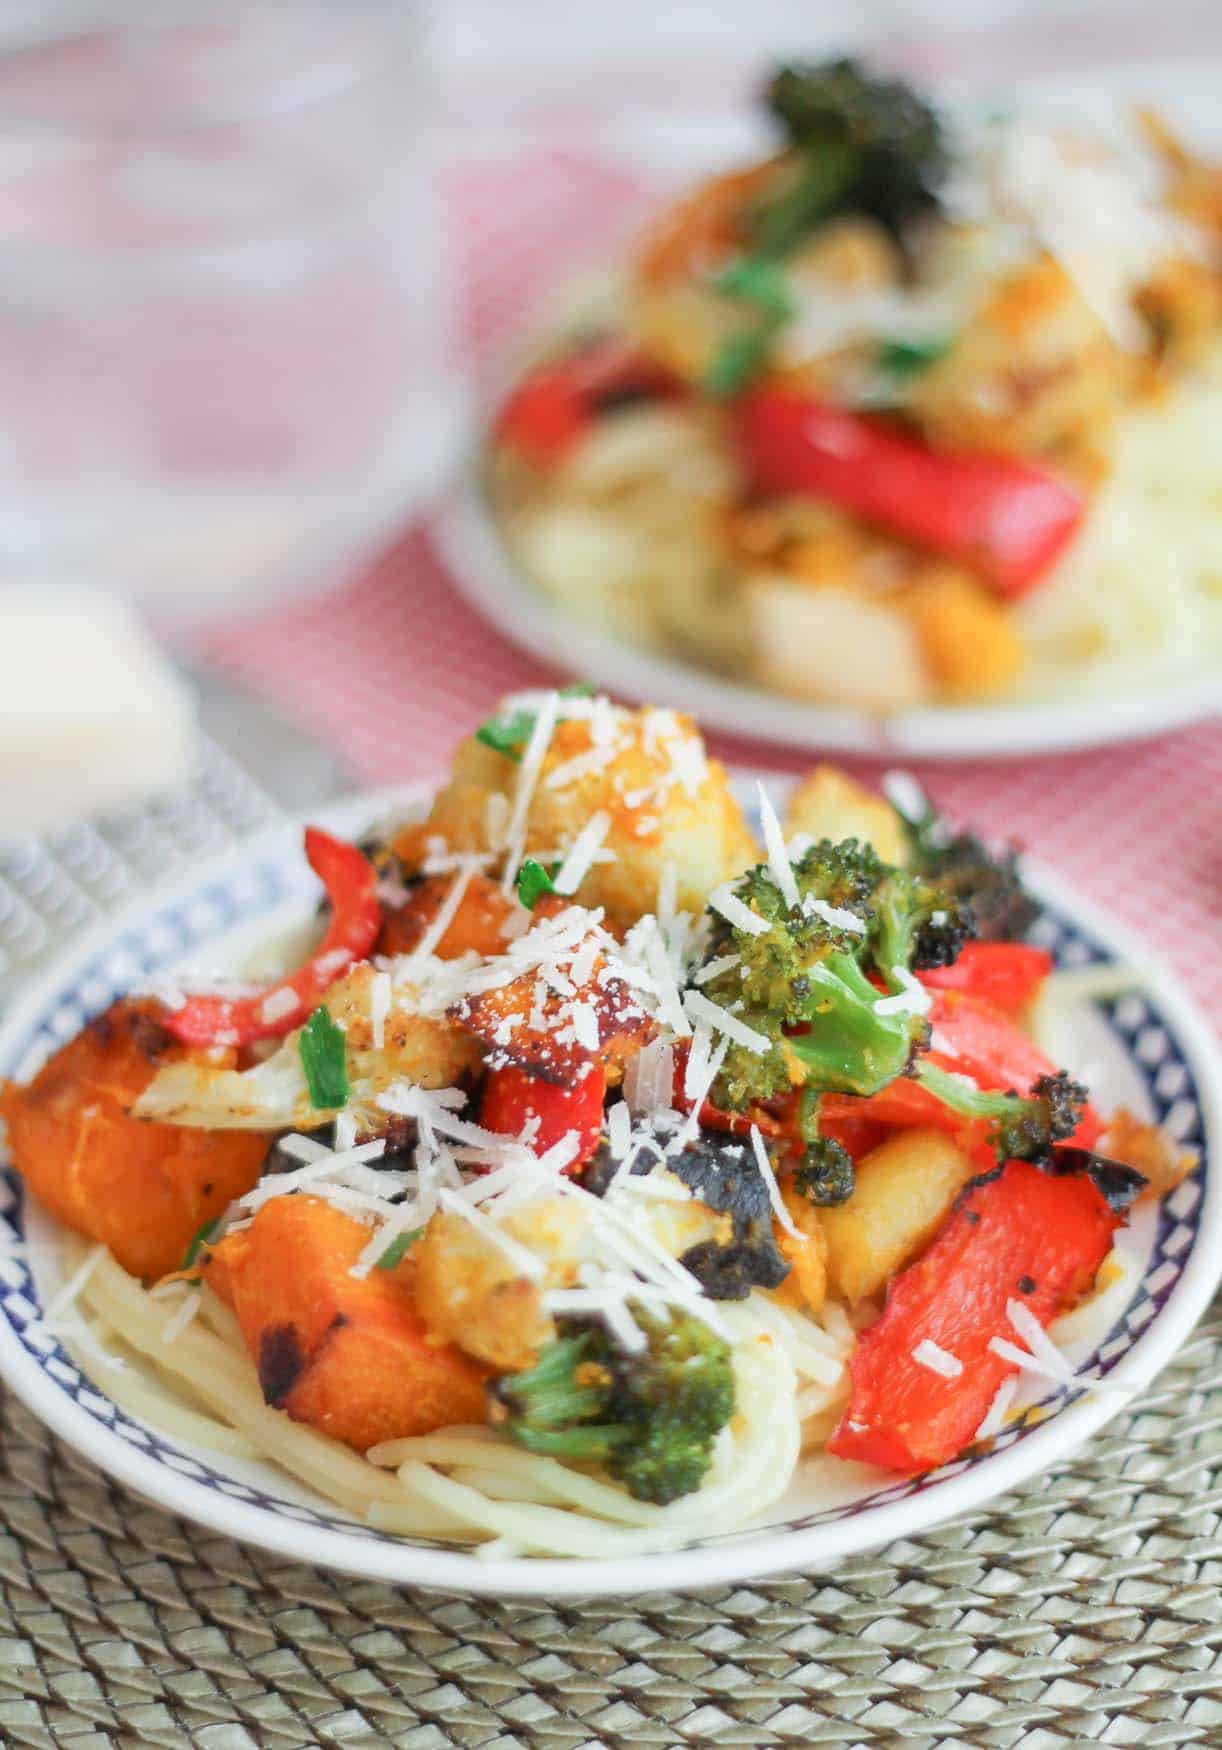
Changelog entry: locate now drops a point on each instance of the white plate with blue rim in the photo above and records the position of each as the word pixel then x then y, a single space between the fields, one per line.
pixel 1148 1048
pixel 671 151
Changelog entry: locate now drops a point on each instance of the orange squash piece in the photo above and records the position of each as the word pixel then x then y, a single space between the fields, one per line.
pixel 346 1355
pixel 478 925
pixel 968 638
pixel 142 1189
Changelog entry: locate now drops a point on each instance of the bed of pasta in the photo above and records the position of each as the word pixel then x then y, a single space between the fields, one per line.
pixel 598 1160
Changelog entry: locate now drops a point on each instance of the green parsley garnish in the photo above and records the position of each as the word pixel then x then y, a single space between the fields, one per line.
pixel 735 362
pixel 758 281
pixel 203 1236
pixel 323 1051
pixel 908 358
pixel 533 882
pixel 509 735
pixel 755 279
pixel 397 1250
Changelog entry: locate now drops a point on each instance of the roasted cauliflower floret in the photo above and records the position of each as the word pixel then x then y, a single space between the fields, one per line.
pixel 828 804
pixel 429 1050
pixel 474 1293
pixel 1034 370
pixel 646 771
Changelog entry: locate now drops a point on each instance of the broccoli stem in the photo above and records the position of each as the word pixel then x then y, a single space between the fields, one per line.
pixel 850 1047
pixel 821 181
pixel 1024 1128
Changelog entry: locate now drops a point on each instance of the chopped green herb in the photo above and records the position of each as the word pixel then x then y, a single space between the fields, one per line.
pixel 397 1250
pixel 819 185
pixel 533 882
pixel 203 1236
pixel 755 279
pixel 735 363
pixel 509 735
pixel 908 358
pixel 323 1057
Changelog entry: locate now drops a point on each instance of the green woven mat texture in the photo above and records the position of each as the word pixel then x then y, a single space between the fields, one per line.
pixel 1084 1609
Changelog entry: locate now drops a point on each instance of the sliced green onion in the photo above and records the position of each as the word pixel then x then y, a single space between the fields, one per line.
pixel 533 882
pixel 908 358
pixel 203 1236
pixel 397 1250
pixel 755 279
pixel 737 360
pixel 509 735
pixel 323 1051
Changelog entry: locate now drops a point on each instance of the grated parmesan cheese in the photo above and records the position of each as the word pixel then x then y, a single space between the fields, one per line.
pixel 938 1360
pixel 774 1190
pixel 528 777
pixel 277 1004
pixel 723 899
pixel 837 916
pixel 379 1008
pixel 701 1008
pixel 913 999
pixel 577 864
pixel 723 963
pixel 779 866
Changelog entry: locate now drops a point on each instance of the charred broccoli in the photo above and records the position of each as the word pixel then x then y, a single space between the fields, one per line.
pixel 649 1417
pixel 826 1174
pixel 921 922
pixel 805 983
pixel 858 144
pixel 989 882
pixel 865 144
pixel 720 1173
pixel 1022 1128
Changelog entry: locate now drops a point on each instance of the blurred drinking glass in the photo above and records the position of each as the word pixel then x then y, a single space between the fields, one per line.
pixel 223 343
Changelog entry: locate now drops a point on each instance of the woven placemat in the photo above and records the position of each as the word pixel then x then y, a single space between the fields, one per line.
pixel 1083 1609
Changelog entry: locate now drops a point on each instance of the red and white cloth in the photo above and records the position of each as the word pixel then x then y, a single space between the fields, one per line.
pixel 395 668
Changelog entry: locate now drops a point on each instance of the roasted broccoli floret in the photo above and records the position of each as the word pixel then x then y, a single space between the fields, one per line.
pixel 920 922
pixel 865 144
pixel 805 983
pixel 1023 1128
pixel 649 1417
pixel 989 882
pixel 826 1173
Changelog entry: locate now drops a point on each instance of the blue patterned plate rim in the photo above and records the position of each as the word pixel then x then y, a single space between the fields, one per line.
pixel 267 872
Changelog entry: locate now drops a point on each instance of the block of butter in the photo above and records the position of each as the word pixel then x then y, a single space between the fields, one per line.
pixel 92 715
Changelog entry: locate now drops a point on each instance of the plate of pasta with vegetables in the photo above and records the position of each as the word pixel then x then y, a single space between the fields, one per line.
pixel 600 1171
pixel 897 431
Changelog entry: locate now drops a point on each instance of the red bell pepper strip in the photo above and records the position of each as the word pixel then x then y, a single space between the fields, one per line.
pixel 1029 1236
pixel 512 1096
pixel 1005 518
pixel 1006 974
pixel 356 917
pixel 988 1048
pixel 553 407
pixel 545 416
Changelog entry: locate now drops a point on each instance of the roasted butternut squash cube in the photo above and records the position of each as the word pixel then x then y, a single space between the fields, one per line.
pixel 143 1189
pixel 344 1354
